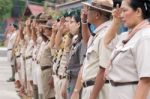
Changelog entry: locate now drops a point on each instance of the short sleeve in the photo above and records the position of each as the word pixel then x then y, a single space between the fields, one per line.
pixel 113 43
pixel 104 55
pixel 142 57
pixel 117 40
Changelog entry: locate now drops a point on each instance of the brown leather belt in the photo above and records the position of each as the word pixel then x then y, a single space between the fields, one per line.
pixel 61 77
pixel 45 67
pixel 91 83
pixel 9 49
pixel 28 57
pixel 18 56
pixel 123 83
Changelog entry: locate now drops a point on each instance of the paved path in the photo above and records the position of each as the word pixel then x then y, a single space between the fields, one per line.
pixel 7 89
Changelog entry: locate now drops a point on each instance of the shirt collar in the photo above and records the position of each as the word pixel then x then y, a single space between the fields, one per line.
pixel 103 25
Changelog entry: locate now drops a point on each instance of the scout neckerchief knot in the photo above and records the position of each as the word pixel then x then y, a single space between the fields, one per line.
pixel 143 24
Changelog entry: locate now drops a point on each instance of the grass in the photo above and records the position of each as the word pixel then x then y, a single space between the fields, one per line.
pixel 1 43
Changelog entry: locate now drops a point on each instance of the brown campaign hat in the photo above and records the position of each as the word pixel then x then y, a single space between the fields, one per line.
pixel 48 24
pixel 42 17
pixel 103 5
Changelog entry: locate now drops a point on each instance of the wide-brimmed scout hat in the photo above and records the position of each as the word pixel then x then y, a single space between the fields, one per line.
pixel 103 5
pixel 48 24
pixel 41 17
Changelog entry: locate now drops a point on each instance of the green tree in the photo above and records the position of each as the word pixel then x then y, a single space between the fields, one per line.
pixel 39 1
pixel 5 8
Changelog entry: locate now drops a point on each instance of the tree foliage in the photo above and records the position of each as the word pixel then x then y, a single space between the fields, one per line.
pixel 5 8
pixel 39 1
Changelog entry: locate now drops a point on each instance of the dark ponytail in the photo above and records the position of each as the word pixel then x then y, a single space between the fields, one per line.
pixel 78 19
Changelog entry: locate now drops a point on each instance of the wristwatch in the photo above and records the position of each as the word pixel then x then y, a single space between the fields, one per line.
pixel 76 90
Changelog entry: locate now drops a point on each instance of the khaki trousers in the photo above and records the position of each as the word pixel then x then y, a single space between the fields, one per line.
pixel 48 91
pixel 57 87
pixel 123 92
pixel 103 94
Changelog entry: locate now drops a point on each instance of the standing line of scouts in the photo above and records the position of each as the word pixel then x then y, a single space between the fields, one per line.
pixel 100 52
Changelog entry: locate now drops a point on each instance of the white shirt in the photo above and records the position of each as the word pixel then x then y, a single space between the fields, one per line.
pixel 92 59
pixel 132 62
pixel 11 40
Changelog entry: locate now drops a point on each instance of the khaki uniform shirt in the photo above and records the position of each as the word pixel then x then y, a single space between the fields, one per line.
pixel 59 66
pixel 92 59
pixel 11 40
pixel 46 56
pixel 132 62
pixel 40 51
pixel 29 49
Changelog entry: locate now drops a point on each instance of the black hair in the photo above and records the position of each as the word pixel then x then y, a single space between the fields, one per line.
pixel 67 14
pixel 58 19
pixel 115 2
pixel 144 5
pixel 15 26
pixel 78 20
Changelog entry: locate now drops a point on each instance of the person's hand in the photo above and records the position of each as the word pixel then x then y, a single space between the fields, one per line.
pixel 55 28
pixel 63 90
pixel 117 14
pixel 92 97
pixel 62 23
pixel 21 25
pixel 75 95
pixel 28 22
pixel 33 24
pixel 51 82
pixel 84 15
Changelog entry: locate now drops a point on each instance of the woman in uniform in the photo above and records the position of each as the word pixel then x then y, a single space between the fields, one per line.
pixel 129 68
pixel 75 56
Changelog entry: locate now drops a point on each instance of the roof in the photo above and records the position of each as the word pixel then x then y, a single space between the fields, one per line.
pixel 33 9
pixel 67 5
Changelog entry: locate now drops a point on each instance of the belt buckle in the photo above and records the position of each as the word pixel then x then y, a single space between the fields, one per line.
pixel 59 76
pixel 113 83
pixel 85 84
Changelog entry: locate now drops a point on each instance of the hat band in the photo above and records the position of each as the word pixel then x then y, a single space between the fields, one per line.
pixel 101 6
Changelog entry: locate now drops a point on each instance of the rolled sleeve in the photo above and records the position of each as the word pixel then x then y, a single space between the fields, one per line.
pixel 142 57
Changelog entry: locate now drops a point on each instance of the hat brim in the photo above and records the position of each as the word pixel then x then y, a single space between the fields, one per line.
pixel 90 5
pixel 41 20
pixel 45 26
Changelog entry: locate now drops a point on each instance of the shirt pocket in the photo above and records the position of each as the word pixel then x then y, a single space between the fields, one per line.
pixel 125 49
pixel 91 53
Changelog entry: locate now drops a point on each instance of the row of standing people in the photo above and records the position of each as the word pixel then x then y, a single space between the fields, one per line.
pixel 54 55
pixel 48 54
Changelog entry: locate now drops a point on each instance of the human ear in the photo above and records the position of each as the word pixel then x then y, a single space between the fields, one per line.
pixel 139 12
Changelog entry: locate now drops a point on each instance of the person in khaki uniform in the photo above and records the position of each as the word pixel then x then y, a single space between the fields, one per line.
pixel 22 64
pixel 59 66
pixel 28 64
pixel 100 18
pixel 129 63
pixel 75 57
pixel 17 52
pixel 10 53
pixel 46 63
pixel 36 30
pixel 37 79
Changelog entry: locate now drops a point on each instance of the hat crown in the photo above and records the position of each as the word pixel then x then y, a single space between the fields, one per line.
pixel 106 3
pixel 43 16
pixel 49 24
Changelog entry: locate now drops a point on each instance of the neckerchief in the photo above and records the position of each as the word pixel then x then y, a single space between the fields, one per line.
pixel 131 33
